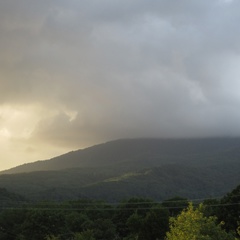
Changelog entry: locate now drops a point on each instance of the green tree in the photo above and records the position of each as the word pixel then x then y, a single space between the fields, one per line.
pixel 191 224
pixel 175 205
pixel 19 237
pixel 76 221
pixel 134 224
pixel 230 210
pixel 153 225
pixel 85 235
pixel 40 223
pixel 11 224
pixel 104 229
pixel 124 210
pixel 52 237
pixel 212 207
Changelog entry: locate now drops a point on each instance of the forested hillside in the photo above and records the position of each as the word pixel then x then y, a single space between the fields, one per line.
pixel 133 218
pixel 154 168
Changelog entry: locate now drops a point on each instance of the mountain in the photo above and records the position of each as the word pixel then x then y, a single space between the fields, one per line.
pixel 156 168
pixel 146 152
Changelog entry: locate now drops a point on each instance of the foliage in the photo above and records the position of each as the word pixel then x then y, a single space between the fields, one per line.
pixel 103 229
pixel 75 221
pixel 226 209
pixel 212 207
pixel 175 205
pixel 151 226
pixel 230 212
pixel 41 222
pixel 126 209
pixel 52 237
pixel 131 219
pixel 238 229
pixel 155 224
pixel 191 224
pixel 85 235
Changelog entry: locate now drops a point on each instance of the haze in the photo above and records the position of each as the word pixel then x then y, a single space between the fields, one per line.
pixel 76 73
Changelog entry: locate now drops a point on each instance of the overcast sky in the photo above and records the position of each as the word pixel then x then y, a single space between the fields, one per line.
pixel 77 73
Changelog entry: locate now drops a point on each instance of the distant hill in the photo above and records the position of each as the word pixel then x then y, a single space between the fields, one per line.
pixel 156 168
pixel 146 152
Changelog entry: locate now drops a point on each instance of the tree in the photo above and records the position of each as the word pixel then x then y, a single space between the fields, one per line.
pixel 52 237
pixel 175 205
pixel 238 230
pixel 134 224
pixel 40 223
pixel 191 224
pixel 138 206
pixel 156 223
pixel 212 207
pixel 11 222
pixel 76 221
pixel 230 209
pixel 153 225
pixel 104 229
pixel 85 235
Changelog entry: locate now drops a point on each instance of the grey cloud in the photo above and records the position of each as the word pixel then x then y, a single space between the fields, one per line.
pixel 128 68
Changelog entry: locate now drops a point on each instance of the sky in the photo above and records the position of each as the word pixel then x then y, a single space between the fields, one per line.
pixel 77 73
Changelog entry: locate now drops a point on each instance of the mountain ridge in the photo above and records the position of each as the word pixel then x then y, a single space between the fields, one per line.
pixel 123 149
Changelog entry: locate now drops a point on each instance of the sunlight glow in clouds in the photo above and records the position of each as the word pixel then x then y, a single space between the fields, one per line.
pixel 17 123
pixel 17 126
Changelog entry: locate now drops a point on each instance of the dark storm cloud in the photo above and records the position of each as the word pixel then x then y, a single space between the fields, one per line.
pixel 113 69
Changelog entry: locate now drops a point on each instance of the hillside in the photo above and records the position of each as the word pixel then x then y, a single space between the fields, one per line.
pixel 156 168
pixel 146 152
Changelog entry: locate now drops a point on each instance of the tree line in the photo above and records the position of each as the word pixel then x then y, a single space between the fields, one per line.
pixel 132 219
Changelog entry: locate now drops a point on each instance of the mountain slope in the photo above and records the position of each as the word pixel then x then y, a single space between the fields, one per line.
pixel 155 168
pixel 146 152
pixel 99 183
